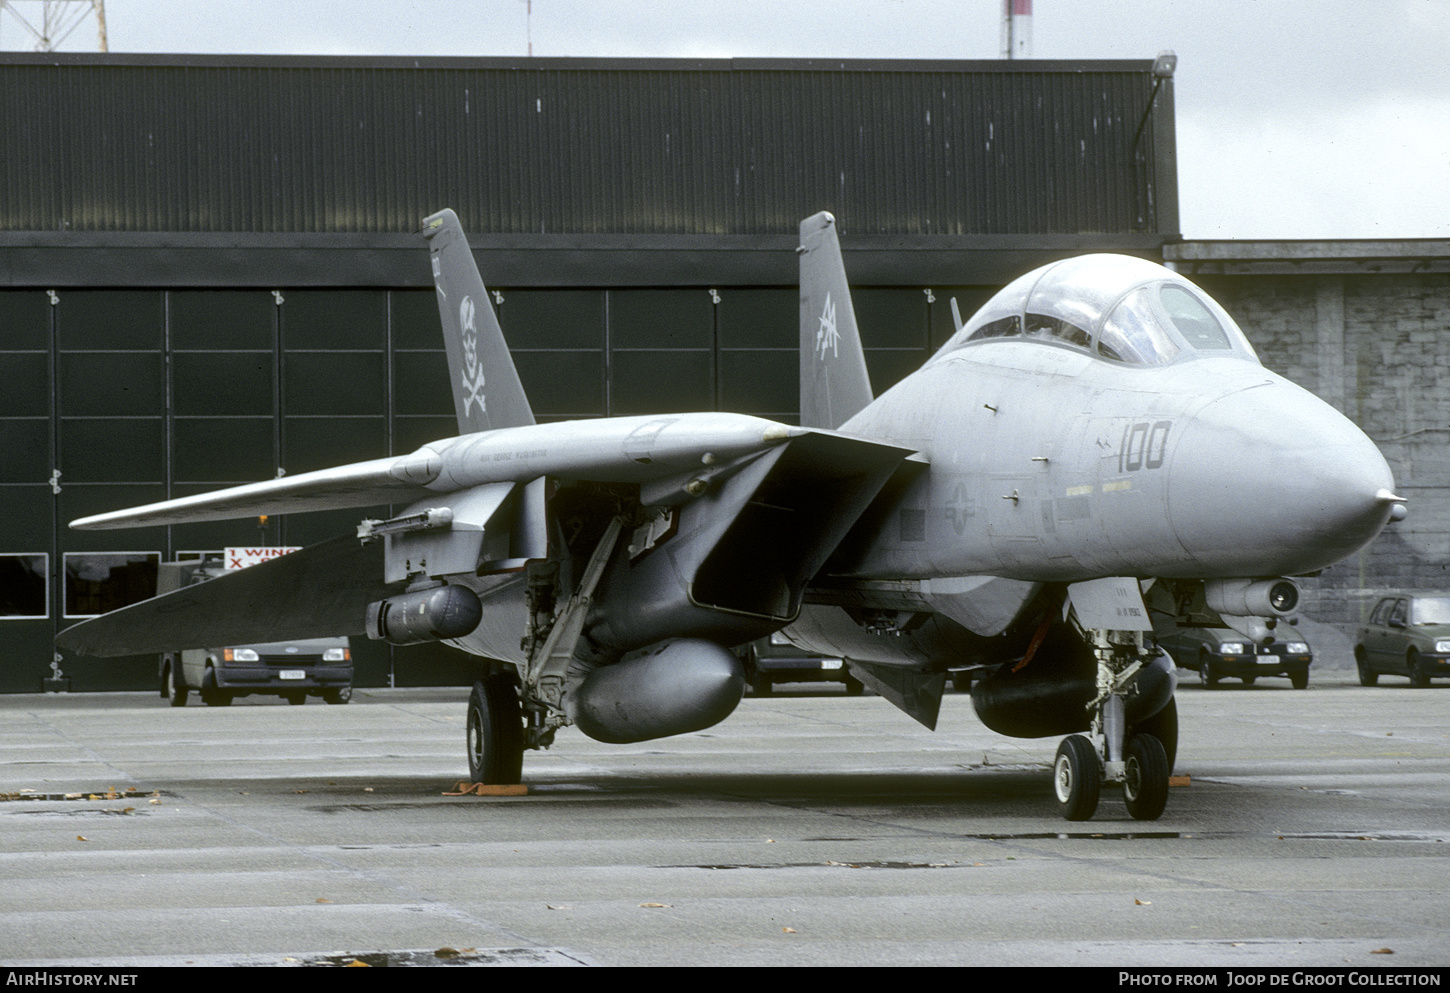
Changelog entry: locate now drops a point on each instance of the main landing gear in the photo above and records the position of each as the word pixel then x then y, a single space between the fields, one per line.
pixel 1140 757
pixel 497 731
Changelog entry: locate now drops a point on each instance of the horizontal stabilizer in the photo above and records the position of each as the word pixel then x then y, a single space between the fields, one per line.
pixel 317 592
pixel 361 484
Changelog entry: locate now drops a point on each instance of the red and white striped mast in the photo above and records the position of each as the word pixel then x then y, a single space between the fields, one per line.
pixel 1016 29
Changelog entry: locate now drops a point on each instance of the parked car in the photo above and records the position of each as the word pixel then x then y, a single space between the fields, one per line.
pixel 1408 634
pixel 1216 653
pixel 291 669
pixel 775 660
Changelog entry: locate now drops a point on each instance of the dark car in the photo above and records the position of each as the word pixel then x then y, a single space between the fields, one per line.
pixel 1407 634
pixel 1218 652
pixel 293 670
pixel 775 660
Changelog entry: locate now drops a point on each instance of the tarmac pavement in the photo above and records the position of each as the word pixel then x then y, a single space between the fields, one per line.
pixel 808 829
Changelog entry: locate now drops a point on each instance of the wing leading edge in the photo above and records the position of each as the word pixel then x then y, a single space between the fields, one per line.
pixel 609 450
pixel 361 484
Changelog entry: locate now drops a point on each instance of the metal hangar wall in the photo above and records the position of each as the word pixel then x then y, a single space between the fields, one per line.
pixel 209 272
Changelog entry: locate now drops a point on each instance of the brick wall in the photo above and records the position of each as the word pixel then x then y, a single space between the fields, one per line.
pixel 1378 348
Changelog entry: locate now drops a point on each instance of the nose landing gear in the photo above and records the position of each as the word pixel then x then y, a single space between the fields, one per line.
pixel 1114 752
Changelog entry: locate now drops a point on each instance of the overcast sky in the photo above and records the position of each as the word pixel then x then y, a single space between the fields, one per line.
pixel 1313 119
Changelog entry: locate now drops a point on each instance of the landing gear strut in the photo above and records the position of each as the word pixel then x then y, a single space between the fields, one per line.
pixel 515 708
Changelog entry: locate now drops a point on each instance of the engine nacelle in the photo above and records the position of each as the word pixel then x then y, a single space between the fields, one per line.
pixel 428 615
pixel 672 687
pixel 1049 695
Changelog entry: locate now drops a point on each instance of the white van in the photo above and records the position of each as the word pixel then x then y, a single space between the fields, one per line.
pixel 292 669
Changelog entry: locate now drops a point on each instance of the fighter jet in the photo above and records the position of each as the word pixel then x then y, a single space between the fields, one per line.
pixel 1100 430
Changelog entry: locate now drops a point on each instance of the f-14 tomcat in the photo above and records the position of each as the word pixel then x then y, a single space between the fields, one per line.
pixel 1073 454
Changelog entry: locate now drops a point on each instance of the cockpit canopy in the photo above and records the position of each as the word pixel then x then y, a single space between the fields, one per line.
pixel 1117 307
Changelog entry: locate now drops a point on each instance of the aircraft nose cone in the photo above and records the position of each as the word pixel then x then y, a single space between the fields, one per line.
pixel 1274 481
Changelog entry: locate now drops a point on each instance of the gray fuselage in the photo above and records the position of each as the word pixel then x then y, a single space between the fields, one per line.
pixel 1050 464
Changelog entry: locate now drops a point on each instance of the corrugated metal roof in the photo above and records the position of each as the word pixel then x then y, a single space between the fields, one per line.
pixel 155 143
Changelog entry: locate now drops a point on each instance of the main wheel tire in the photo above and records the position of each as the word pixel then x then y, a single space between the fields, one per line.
pixel 854 686
pixel 1367 676
pixel 1419 678
pixel 1206 674
pixel 175 692
pixel 1076 778
pixel 495 731
pixel 760 685
pixel 337 696
pixel 1145 777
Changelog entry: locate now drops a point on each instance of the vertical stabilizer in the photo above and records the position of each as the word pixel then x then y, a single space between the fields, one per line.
pixel 834 384
pixel 487 393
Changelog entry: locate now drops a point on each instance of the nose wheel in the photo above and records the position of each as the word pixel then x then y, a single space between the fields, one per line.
pixel 1077 778
pixel 1145 777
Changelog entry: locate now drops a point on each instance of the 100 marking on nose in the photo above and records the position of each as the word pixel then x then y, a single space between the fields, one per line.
pixel 1143 445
